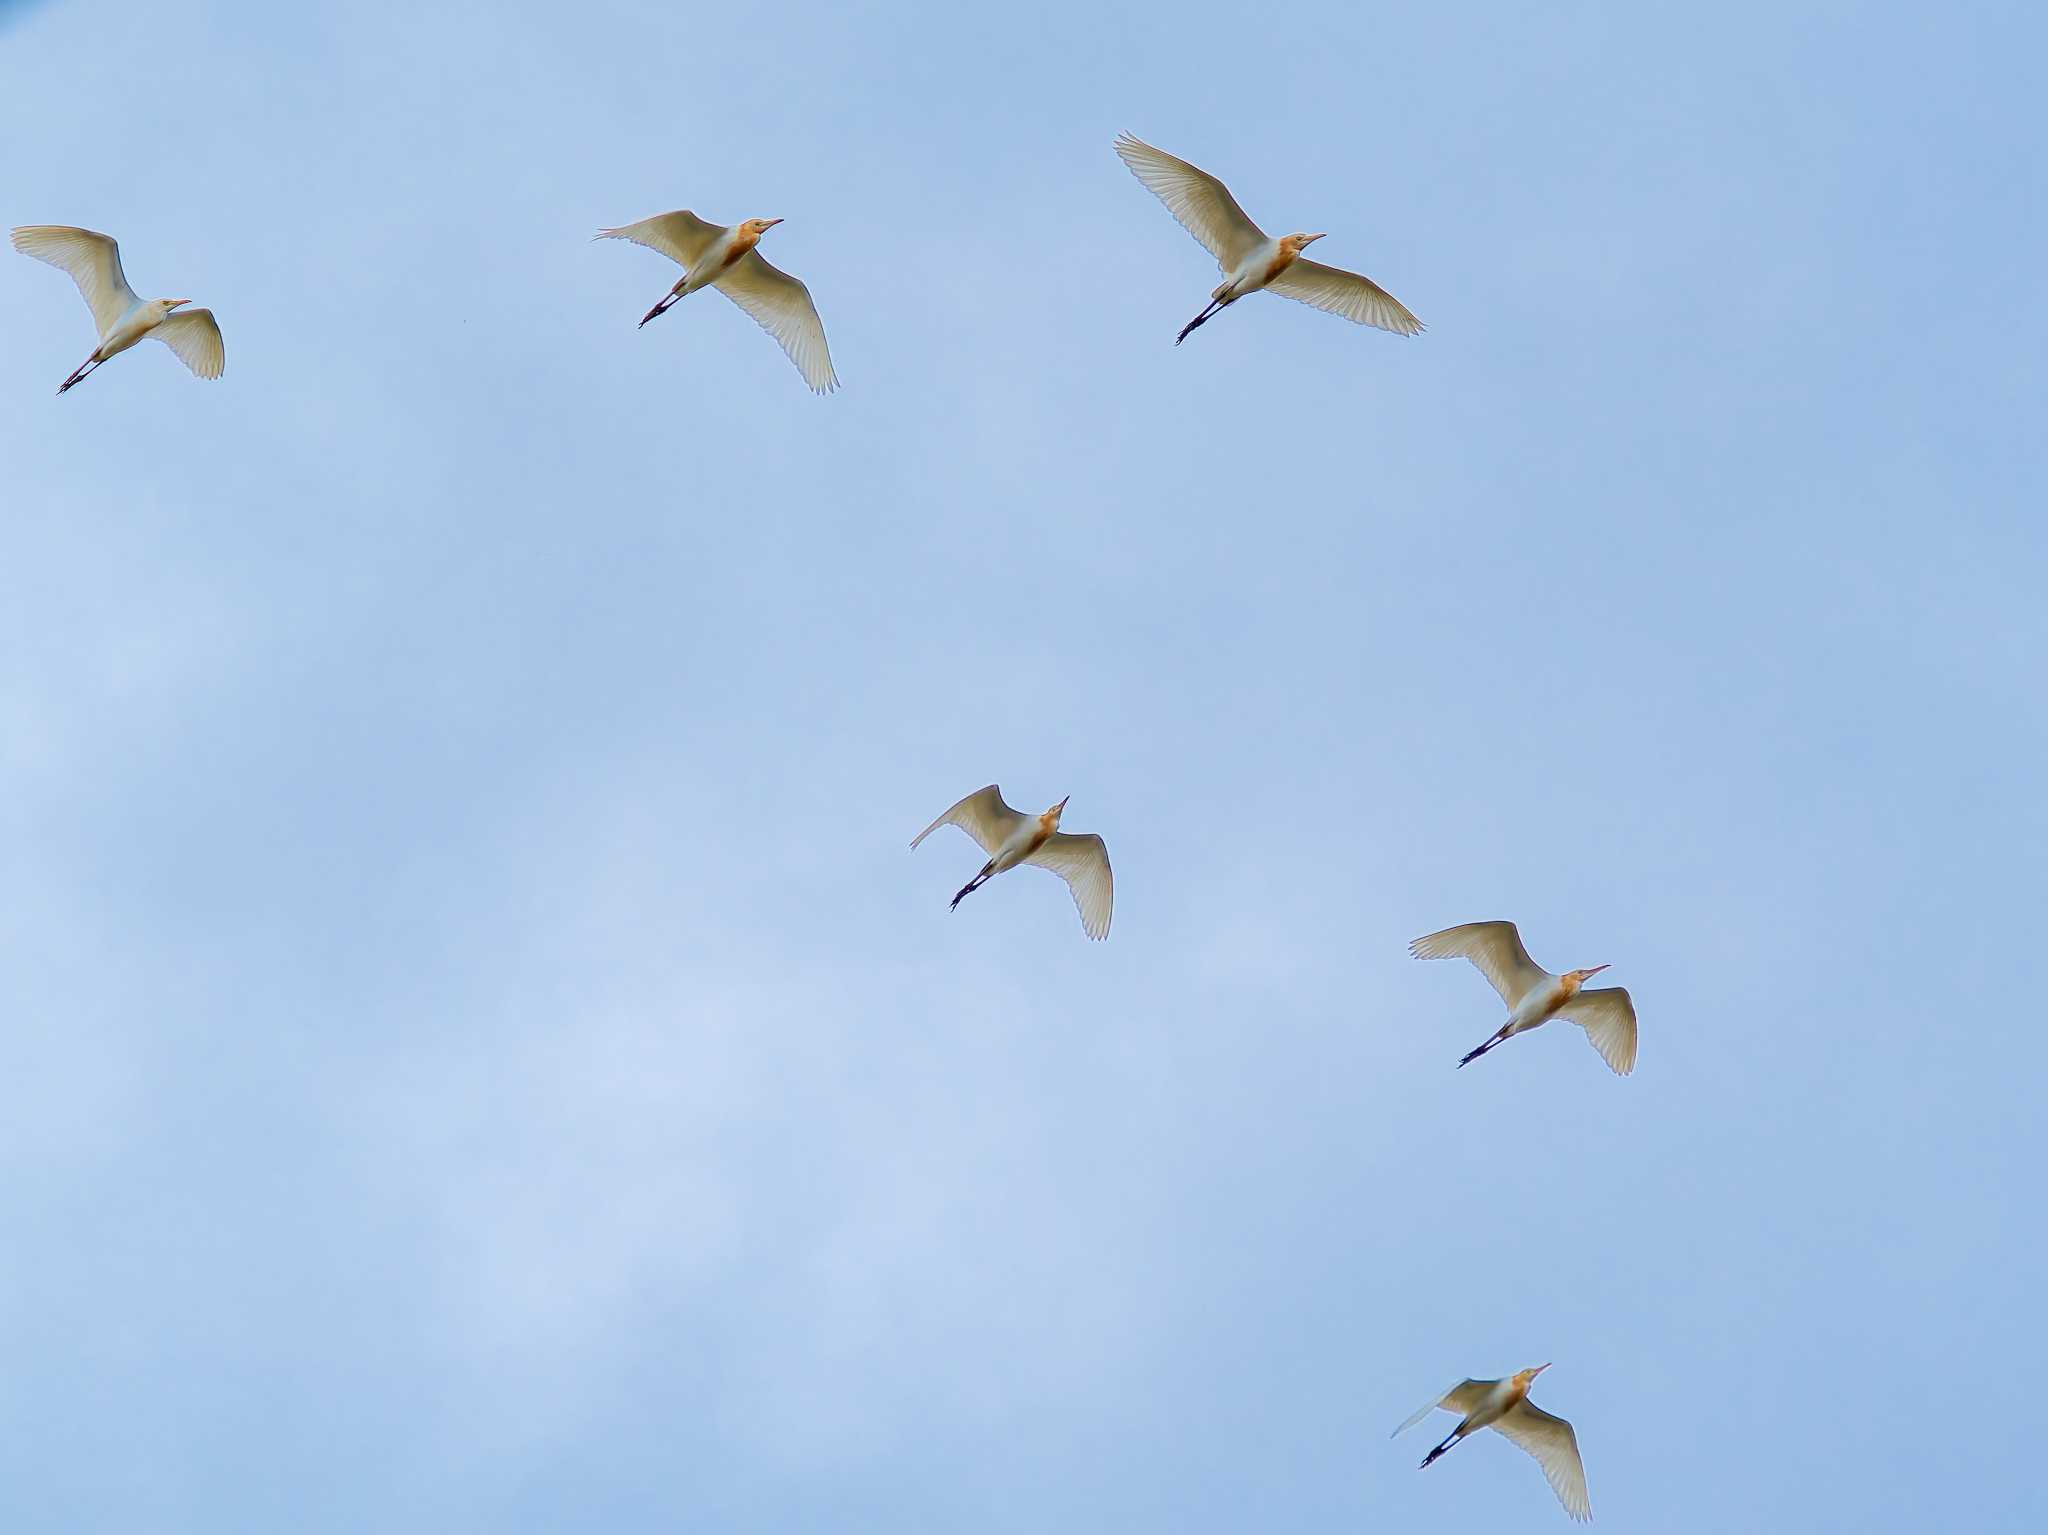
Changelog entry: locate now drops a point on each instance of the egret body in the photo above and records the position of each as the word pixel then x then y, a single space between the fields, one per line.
pixel 1011 837
pixel 1534 996
pixel 93 261
pixel 725 259
pixel 1249 257
pixel 1504 1405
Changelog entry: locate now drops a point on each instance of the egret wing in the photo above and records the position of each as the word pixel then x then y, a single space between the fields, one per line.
pixel 1609 1019
pixel 92 260
pixel 1461 1399
pixel 1556 1449
pixel 1083 862
pixel 782 306
pixel 681 236
pixel 1495 947
pixel 982 815
pixel 1203 204
pixel 1336 291
pixel 195 337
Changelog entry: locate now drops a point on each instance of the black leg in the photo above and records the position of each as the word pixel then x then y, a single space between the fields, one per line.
pixel 1198 321
pixel 1474 1055
pixel 1433 1454
pixel 970 887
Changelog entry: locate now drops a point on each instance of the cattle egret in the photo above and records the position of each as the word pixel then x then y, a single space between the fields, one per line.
pixel 1010 837
pixel 725 259
pixel 1249 259
pixel 1534 996
pixel 1505 1405
pixel 94 263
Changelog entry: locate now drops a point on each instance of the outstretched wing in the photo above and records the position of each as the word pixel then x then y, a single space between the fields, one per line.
pixel 1460 1399
pixel 1203 204
pixel 194 336
pixel 92 260
pixel 681 236
pixel 982 815
pixel 1336 291
pixel 1495 947
pixel 1556 1449
pixel 782 306
pixel 1609 1019
pixel 1083 862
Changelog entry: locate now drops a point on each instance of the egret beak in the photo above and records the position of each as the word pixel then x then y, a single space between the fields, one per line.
pixel 175 303
pixel 770 223
pixel 1310 240
pixel 1063 803
pixel 1538 1371
pixel 1589 975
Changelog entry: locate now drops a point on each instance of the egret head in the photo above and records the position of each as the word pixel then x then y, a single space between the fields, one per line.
pixel 1053 815
pixel 1297 241
pixel 758 227
pixel 1523 1377
pixel 1578 978
pixel 173 303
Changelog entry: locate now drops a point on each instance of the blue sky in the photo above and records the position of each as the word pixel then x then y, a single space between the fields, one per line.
pixel 479 1053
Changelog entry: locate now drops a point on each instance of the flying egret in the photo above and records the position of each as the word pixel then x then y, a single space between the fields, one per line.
pixel 1010 837
pixel 1505 1405
pixel 1250 260
pixel 1534 996
pixel 93 261
pixel 725 259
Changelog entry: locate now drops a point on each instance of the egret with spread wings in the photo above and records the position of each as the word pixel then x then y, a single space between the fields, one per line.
pixel 93 261
pixel 1534 996
pixel 725 259
pixel 1010 837
pixel 1504 1405
pixel 1250 259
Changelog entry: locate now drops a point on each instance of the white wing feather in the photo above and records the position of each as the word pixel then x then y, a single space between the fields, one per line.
pixel 1083 862
pixel 982 815
pixel 1609 1018
pixel 1461 1399
pixel 1556 1449
pixel 1203 204
pixel 782 306
pixel 1335 291
pixel 92 260
pixel 1495 947
pixel 681 236
pixel 195 337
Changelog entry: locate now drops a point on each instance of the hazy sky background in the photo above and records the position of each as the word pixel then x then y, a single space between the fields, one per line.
pixel 478 1054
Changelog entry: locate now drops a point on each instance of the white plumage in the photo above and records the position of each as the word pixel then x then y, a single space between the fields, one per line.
pixel 1534 996
pixel 1250 259
pixel 1011 837
pixel 93 261
pixel 1504 1405
pixel 725 258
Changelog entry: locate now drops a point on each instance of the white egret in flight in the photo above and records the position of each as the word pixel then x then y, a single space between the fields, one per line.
pixel 725 259
pixel 1504 1405
pixel 1010 837
pixel 1534 996
pixel 93 261
pixel 1250 260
